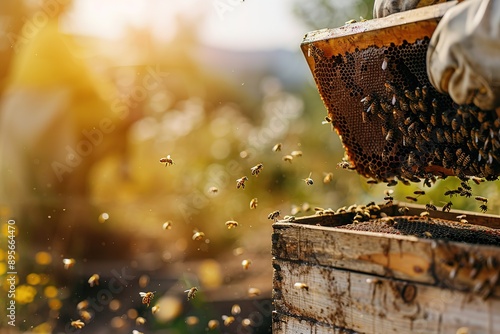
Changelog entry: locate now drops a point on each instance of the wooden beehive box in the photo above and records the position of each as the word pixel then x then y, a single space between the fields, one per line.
pixel 329 280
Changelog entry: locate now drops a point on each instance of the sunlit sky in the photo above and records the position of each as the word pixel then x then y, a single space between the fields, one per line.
pixel 234 24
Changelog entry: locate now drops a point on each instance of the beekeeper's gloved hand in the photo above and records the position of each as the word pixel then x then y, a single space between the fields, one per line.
pixel 463 58
pixel 382 8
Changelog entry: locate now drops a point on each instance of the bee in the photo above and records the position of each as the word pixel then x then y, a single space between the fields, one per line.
pixel 86 316
pixel 147 297
pixel 412 199
pixel 197 235
pixel 274 215
pixel 419 192
pixel 235 309
pixel 392 183
pixel 308 180
pixel 155 309
pixel 253 203
pixel 477 180
pixel 384 64
pixel 240 183
pixel 230 224
pixel 301 286
pixel 257 169
pixel 288 158
pixel 428 234
pixel 253 292
pixel 327 120
pixel 403 210
pixel 390 136
pixel 371 181
pixel 78 324
pixel 167 161
pixel 191 293
pixel 296 154
pixel 167 225
pixel 246 264
pixel 430 206
pixel 460 217
pixel 140 321
pixel 277 147
pixel 328 178
pixel 68 263
pixel 424 214
pixel 94 280
pixel 213 324
pixel 228 320
pixel 481 199
pixel 350 21
pixel 447 207
pixel 213 190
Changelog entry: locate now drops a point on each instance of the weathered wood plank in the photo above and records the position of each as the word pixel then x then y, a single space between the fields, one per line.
pixel 381 254
pixel 366 304
pixel 283 323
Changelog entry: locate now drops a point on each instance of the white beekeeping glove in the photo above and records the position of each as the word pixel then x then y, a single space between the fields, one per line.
pixel 382 8
pixel 463 58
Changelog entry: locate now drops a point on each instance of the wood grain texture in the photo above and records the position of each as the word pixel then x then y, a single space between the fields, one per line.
pixel 357 302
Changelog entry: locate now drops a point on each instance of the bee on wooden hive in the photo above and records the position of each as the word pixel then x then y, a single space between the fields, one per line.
pixel 274 215
pixel 308 180
pixel 240 183
pixel 78 324
pixel 94 280
pixel 147 297
pixel 301 286
pixel 447 207
pixel 253 203
pixel 167 161
pixel 277 147
pixel 191 293
pixel 424 214
pixel 403 210
pixel 257 169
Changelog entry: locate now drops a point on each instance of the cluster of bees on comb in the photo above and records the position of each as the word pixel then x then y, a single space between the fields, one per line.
pixel 461 139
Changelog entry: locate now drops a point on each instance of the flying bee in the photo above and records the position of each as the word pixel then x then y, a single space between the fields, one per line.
pixel 68 263
pixel 213 190
pixel 327 120
pixel 191 293
pixel 447 207
pixel 483 208
pixel 167 161
pixel 481 199
pixel 257 169
pixel 253 203
pixel 147 297
pixel 246 264
pixel 288 158
pixel 328 177
pixel 477 180
pixel 94 280
pixel 412 199
pixel 240 183
pixel 277 147
pixel 308 180
pixel 274 215
pixel 230 224
pixel 371 181
pixel 419 192
pixel 296 154
pixel 197 235
pixel 78 324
